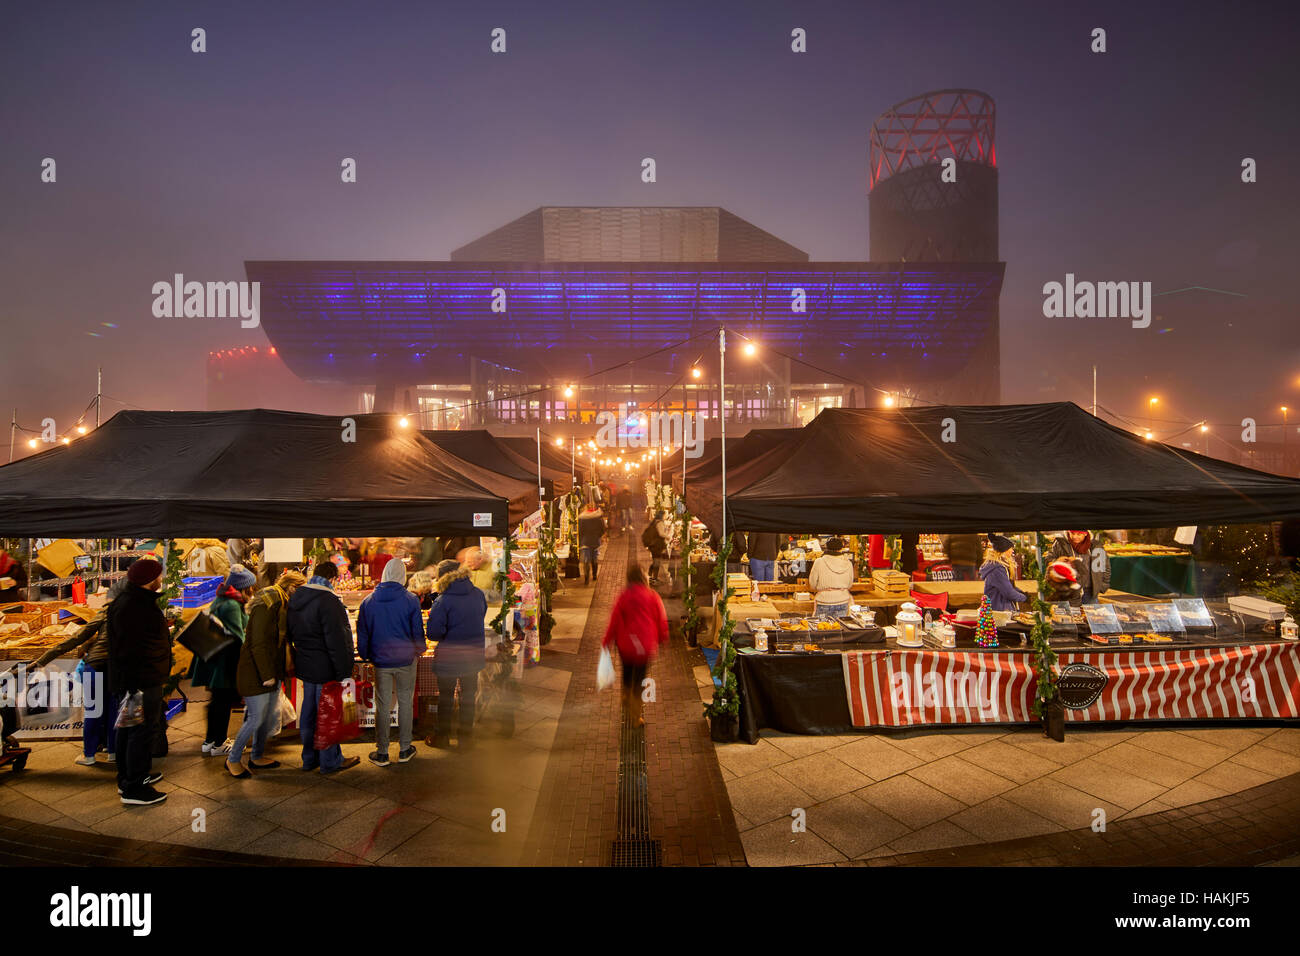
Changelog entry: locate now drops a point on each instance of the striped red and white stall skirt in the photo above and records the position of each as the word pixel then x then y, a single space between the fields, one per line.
pixel 902 687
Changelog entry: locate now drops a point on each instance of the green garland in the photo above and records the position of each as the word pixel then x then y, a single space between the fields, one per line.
pixel 547 569
pixel 894 547
pixel 1044 657
pixel 726 698
pixel 173 584
pixel 692 617
pixel 502 583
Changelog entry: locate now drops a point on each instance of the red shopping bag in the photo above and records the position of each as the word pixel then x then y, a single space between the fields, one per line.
pixel 78 591
pixel 336 716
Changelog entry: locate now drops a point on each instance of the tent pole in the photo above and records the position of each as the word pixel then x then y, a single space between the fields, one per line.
pixel 13 426
pixel 1094 391
pixel 99 392
pixel 540 492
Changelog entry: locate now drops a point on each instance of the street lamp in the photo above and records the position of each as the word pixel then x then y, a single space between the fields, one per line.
pixel 889 401
pixel 402 422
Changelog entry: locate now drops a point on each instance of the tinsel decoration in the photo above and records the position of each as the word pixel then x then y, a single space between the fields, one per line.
pixel 986 632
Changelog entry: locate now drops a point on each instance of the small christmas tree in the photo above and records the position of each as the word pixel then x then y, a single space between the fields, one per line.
pixel 986 632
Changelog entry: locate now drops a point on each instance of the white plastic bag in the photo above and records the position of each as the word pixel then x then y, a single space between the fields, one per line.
pixel 131 712
pixel 285 714
pixel 605 672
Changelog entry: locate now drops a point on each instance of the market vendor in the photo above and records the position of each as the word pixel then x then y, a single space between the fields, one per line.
pixel 963 551
pixel 1092 564
pixel 998 571
pixel 763 548
pixel 830 579
pixel 13 579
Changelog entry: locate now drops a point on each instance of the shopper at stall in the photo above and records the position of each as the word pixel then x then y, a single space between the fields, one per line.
pixel 637 625
pixel 13 579
pixel 1091 563
pixel 830 578
pixel 421 585
pixel 262 667
pixel 963 551
pixel 321 638
pixel 218 673
pixel 763 548
pixel 390 635
pixel 1063 582
pixel 997 572
pixel 139 661
pixel 456 623
pixel 591 531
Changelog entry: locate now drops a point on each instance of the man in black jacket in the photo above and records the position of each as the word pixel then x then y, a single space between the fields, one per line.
pixel 139 660
pixel 321 636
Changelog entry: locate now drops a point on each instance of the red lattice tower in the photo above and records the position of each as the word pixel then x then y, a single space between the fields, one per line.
pixel 929 128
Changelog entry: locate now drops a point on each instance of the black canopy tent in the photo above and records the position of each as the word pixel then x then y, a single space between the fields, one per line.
pixel 1008 467
pixel 481 447
pixel 256 473
pixel 740 451
pixel 552 457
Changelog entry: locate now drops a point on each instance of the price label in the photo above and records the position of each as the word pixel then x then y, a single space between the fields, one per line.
pixel 482 519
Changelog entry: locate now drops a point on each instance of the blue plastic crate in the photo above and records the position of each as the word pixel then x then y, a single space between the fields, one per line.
pixel 197 591
pixel 174 706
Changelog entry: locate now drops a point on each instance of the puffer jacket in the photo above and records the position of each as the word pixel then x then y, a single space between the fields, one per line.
pixel 456 621
pixel 320 634
pixel 830 578
pixel 1002 594
pixel 390 630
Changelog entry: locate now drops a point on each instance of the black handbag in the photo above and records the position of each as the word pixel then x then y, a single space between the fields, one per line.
pixel 205 636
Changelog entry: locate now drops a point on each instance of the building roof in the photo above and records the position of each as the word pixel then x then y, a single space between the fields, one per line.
pixel 629 234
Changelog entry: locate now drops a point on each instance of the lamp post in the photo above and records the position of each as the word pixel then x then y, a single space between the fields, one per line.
pixel 722 415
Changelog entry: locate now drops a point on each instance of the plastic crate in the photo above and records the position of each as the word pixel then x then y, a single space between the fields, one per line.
pixel 197 591
pixel 173 707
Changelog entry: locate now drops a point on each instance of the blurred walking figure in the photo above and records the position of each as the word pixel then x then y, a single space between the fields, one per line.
pixel 390 634
pixel 456 622
pixel 219 673
pixel 655 537
pixel 637 626
pixel 624 502
pixel 591 530
pixel 263 665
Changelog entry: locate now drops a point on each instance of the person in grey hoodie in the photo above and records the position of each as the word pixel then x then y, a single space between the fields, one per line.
pixel 830 578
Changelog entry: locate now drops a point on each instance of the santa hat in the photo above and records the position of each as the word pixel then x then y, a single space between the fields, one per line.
pixel 1062 572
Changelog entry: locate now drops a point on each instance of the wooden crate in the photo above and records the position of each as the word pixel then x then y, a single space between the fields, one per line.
pixel 888 581
pixel 776 587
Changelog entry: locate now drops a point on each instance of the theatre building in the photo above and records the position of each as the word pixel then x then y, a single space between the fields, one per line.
pixel 567 311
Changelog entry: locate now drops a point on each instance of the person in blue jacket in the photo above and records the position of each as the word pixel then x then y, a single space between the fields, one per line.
pixel 996 574
pixel 390 635
pixel 321 637
pixel 456 622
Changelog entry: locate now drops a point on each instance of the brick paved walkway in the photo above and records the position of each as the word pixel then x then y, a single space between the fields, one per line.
pixel 35 844
pixel 1251 828
pixel 576 818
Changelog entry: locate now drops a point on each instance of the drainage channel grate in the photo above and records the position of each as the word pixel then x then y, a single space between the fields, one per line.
pixel 633 847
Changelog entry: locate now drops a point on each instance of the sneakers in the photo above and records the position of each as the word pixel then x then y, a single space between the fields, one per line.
pixel 348 762
pixel 149 781
pixel 85 761
pixel 408 754
pixel 143 797
pixel 379 759
pixel 110 758
pixel 218 750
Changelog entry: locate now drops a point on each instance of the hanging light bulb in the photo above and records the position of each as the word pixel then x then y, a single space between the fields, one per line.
pixel 81 429
pixel 31 443
pixel 402 422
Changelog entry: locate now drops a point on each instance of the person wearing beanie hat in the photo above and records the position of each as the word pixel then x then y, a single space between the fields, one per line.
pixel 219 674
pixel 139 661
pixel 390 635
pixel 144 572
pixel 456 624
pixel 997 572
pixel 830 578
pixel 1090 561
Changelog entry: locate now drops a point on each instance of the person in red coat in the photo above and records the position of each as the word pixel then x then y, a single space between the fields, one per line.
pixel 638 624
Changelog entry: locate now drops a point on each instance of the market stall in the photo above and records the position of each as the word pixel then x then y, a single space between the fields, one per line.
pixel 1009 468
pixel 252 473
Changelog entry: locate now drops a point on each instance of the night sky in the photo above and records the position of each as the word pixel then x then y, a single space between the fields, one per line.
pixel 1119 166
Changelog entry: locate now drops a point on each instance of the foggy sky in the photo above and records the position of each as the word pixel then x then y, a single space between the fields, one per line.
pixel 1120 166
